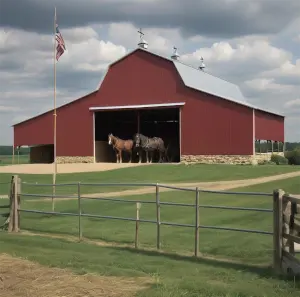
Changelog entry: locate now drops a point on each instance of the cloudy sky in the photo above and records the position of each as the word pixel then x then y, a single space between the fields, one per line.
pixel 255 44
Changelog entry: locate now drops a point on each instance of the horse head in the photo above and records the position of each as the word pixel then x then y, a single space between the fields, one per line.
pixel 138 139
pixel 110 138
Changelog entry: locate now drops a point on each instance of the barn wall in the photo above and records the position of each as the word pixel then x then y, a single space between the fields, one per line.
pixel 37 131
pixel 140 78
pixel 74 129
pixel 212 126
pixel 268 126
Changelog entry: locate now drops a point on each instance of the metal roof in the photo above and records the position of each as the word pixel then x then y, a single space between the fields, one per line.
pixel 207 83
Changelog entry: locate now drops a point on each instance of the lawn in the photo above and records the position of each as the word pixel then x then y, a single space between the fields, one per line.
pixel 147 174
pixel 176 275
pixel 254 248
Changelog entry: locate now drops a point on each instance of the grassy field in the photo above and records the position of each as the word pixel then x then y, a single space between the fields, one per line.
pixel 176 275
pixel 247 247
pixel 8 160
pixel 152 173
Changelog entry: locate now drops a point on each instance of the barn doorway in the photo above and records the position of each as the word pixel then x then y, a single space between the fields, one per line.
pixel 159 121
pixel 42 154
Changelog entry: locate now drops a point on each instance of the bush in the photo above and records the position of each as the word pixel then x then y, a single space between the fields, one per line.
pixel 293 156
pixel 279 160
pixel 266 162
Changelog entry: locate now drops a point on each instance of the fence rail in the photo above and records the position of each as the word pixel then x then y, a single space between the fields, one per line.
pixel 156 186
pixel 16 194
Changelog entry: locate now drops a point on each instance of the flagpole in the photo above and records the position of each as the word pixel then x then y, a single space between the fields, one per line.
pixel 54 113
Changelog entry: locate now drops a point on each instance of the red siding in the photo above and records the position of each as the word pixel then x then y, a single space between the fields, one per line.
pixel 209 125
pixel 140 78
pixel 268 126
pixel 35 131
pixel 74 129
pixel 214 126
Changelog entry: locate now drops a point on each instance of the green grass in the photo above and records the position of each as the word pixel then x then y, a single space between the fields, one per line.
pixel 151 173
pixel 254 248
pixel 178 275
pixel 8 160
pixel 175 276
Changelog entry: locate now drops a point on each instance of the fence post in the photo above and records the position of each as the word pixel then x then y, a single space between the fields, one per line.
pixel 157 216
pixel 15 218
pixel 277 229
pixel 197 223
pixel 79 212
pixel 19 189
pixel 13 225
pixel 138 207
pixel 11 202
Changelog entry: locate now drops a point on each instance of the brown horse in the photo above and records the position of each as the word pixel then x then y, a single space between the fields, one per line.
pixel 120 145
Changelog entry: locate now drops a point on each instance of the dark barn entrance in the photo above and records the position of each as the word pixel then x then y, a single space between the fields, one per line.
pixel 160 122
pixel 43 154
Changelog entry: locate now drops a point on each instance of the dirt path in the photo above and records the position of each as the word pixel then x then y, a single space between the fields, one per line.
pixel 65 168
pixel 216 185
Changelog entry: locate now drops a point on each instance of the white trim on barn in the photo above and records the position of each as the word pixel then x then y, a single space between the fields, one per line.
pixel 179 134
pixel 96 108
pixel 253 124
pixel 94 138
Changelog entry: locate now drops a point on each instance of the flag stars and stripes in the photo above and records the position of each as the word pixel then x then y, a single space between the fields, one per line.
pixel 60 47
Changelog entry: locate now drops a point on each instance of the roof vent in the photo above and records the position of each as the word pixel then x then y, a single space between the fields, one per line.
pixel 202 65
pixel 175 55
pixel 143 43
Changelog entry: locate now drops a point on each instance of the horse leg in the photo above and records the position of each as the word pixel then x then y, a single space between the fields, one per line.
pixel 117 156
pixel 151 156
pixel 140 156
pixel 160 157
pixel 147 155
pixel 130 153
pixel 120 154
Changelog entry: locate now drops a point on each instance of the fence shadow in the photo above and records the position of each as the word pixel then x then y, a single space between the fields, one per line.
pixel 264 271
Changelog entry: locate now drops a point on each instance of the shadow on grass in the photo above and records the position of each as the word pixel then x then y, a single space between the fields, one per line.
pixel 264 271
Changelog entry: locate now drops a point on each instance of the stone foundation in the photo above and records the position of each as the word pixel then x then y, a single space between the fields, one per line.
pixel 75 159
pixel 227 159
pixel 217 159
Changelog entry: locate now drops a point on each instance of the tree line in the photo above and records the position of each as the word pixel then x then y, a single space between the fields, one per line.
pixel 7 150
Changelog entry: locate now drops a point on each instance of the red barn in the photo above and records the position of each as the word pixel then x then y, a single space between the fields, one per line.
pixel 200 117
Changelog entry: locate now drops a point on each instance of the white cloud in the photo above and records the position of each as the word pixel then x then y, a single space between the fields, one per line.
pixel 26 63
pixel 8 108
pixel 293 103
pixel 158 39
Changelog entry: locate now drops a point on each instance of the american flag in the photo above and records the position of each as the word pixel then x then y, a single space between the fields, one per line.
pixel 60 48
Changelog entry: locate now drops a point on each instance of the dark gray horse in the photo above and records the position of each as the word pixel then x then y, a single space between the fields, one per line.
pixel 149 145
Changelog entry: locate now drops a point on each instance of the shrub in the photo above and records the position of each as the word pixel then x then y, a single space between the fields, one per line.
pixel 293 156
pixel 266 162
pixel 279 160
